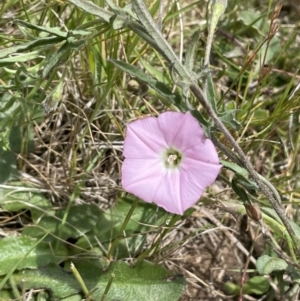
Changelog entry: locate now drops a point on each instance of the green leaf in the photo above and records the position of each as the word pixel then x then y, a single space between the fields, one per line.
pixel 256 285
pixel 189 62
pixel 51 30
pixel 80 219
pixel 272 49
pixel 51 278
pixel 8 105
pixel 31 253
pixel 30 45
pixel 241 176
pixel 62 55
pixel 271 212
pixel 54 97
pixel 92 8
pixel 235 168
pixel 163 91
pixel 17 197
pixel 24 57
pixel 18 137
pixel 145 218
pixel 254 20
pixel 240 191
pixel 266 265
pixel 8 165
pixel 145 281
pixel 228 115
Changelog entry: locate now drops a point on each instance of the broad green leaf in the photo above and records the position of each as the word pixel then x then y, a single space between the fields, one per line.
pixel 145 281
pixel 235 168
pixel 254 20
pixel 218 8
pixel 50 278
pixel 266 265
pixel 17 197
pixel 145 218
pixel 273 49
pixel 80 219
pixel 8 166
pixel 260 114
pixel 14 249
pixel 72 298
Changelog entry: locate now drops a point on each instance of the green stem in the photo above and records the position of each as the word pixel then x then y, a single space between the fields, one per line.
pixel 121 234
pixel 80 281
pixel 156 244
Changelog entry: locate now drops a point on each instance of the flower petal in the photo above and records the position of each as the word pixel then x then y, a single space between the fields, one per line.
pixel 142 177
pixel 143 139
pixel 180 130
pixel 162 188
pixel 195 177
pixel 168 194
pixel 205 152
pixel 180 190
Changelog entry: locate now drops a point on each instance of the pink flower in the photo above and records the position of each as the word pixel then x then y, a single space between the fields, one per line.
pixel 168 161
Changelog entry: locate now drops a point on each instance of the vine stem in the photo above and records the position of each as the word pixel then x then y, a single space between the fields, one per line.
pixel 264 188
pixel 188 79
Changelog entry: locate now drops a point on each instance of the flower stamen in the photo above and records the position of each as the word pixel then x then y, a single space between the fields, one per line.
pixel 172 159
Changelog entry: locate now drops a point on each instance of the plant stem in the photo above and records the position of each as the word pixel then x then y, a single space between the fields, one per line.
pixel 121 234
pixel 264 188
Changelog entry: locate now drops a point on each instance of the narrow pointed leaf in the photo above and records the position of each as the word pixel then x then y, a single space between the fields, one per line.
pixel 156 85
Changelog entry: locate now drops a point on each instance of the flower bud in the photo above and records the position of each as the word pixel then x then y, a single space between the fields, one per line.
pixel 253 211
